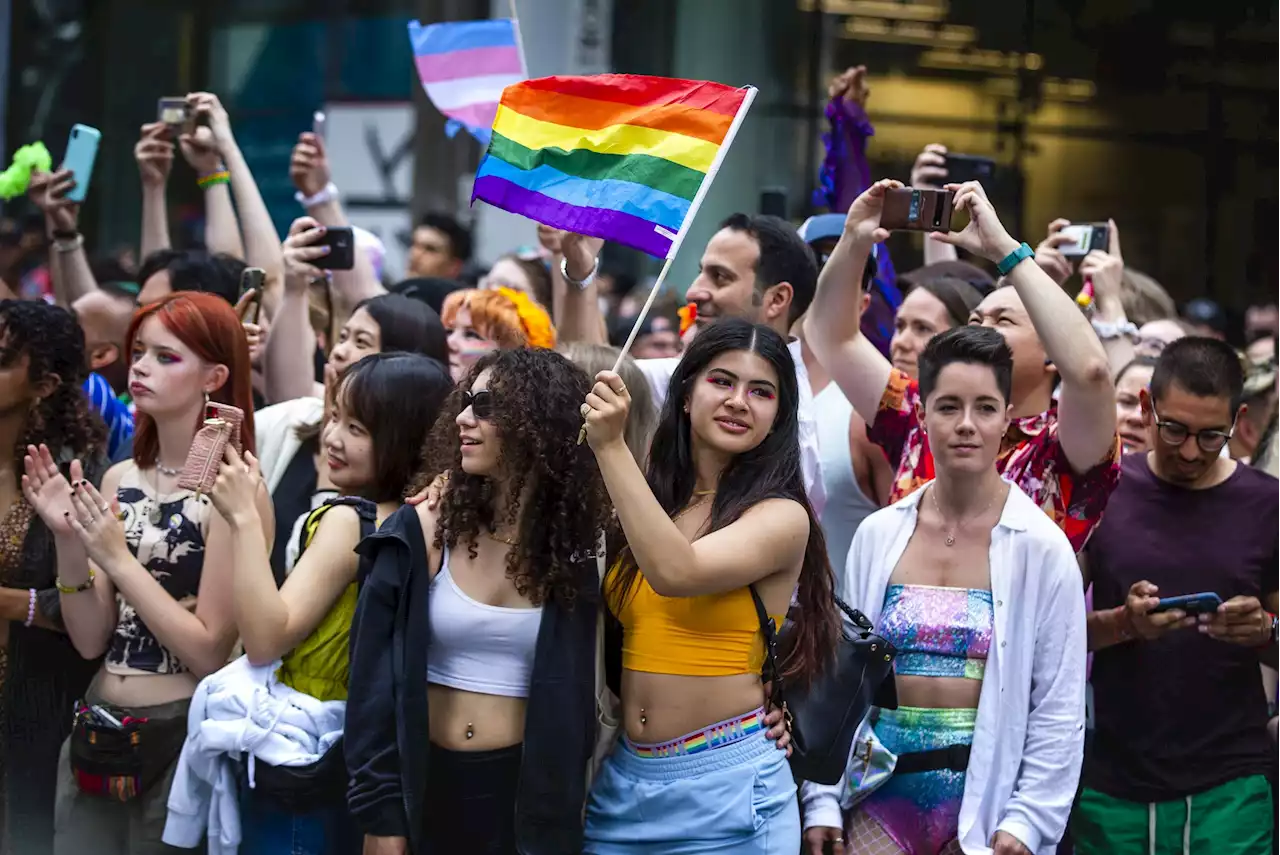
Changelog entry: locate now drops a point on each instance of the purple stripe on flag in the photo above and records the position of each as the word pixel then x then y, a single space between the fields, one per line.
pixel 476 62
pixel 475 115
pixel 594 222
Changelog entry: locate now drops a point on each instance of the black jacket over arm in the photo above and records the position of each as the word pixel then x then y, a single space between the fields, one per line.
pixel 387 743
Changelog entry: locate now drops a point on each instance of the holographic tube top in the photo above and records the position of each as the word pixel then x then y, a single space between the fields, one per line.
pixel 939 632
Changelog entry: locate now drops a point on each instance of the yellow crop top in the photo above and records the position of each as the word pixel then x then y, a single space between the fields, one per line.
pixel 712 635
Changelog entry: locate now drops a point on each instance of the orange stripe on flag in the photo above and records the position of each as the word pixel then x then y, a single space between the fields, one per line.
pixel 593 114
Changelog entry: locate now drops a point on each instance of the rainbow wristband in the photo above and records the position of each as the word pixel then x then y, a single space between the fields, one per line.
pixel 204 182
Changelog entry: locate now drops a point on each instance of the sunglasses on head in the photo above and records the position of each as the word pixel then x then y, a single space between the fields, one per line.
pixel 481 403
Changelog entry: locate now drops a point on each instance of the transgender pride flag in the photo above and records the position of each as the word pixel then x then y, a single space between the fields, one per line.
pixel 464 66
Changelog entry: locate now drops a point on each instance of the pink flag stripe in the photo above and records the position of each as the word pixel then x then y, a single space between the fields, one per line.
pixel 476 115
pixel 468 63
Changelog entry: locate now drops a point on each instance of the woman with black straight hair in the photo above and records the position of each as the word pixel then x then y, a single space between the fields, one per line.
pixel 720 516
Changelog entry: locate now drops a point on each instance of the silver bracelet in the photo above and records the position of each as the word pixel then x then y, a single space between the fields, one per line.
pixel 69 245
pixel 1107 331
pixel 582 286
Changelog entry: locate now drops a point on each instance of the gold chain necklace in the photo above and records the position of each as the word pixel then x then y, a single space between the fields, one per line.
pixel 950 539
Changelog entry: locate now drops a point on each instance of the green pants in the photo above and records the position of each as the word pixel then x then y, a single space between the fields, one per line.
pixel 1233 819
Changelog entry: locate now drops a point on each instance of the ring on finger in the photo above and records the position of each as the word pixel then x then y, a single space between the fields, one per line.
pixel 106 509
pixel 584 409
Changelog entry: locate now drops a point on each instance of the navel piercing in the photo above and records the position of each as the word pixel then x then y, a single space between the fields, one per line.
pixel 643 718
pixel 471 732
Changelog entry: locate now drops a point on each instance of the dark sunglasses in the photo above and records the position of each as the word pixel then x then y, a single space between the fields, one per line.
pixel 481 403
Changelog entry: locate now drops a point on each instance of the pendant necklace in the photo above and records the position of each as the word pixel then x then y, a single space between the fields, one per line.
pixel 950 536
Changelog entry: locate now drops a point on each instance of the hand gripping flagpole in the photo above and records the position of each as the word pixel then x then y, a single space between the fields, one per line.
pixel 684 230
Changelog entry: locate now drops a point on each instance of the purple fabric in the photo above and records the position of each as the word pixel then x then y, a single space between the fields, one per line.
pixel 845 171
pixel 595 222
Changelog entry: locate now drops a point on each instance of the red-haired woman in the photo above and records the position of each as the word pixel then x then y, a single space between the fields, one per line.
pixel 145 577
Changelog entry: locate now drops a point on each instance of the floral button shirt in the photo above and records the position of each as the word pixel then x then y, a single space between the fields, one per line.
pixel 1030 457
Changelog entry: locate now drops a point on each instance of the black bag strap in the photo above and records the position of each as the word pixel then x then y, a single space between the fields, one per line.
pixel 770 633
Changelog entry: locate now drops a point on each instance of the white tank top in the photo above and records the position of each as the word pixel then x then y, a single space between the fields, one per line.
pixel 847 506
pixel 477 647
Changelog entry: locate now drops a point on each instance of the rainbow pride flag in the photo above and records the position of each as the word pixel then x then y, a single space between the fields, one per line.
pixel 617 156
pixel 464 66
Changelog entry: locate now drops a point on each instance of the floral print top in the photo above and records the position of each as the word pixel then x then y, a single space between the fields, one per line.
pixel 1031 457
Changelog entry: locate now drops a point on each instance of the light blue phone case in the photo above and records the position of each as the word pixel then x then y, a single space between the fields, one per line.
pixel 82 150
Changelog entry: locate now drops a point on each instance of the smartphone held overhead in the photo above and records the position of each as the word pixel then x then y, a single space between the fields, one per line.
pixel 1085 237
pixel 82 151
pixel 342 249
pixel 916 209
pixel 969 167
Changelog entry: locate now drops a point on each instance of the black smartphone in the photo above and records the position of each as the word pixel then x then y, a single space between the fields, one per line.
pixel 1085 237
pixel 342 249
pixel 969 167
pixel 250 302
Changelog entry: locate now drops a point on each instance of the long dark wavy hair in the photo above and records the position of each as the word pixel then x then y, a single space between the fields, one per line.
pixel 54 345
pixel 771 470
pixel 537 398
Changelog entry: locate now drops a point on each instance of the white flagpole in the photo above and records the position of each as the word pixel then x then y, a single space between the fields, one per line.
pixel 684 230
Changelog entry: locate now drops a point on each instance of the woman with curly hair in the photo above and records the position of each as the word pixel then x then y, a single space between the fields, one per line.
pixel 144 577
pixel 471 711
pixel 42 364
pixel 481 321
pixel 717 532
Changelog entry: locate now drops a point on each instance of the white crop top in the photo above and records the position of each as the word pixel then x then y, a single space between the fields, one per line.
pixel 477 647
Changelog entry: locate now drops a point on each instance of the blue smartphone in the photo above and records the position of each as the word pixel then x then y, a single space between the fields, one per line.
pixel 1192 604
pixel 82 150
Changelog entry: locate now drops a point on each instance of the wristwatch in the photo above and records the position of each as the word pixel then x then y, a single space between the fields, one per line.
pixel 581 285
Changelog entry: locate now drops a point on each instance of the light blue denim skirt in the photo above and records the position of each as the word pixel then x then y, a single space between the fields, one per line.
pixel 737 798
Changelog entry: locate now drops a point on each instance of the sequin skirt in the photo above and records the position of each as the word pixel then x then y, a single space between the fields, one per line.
pixel 921 811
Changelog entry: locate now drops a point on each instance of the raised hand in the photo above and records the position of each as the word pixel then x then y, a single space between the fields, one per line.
pixel 154 153
pixel 1050 257
pixel 851 85
pixel 47 491
pixel 49 193
pixel 580 254
pixel 930 168
pixel 984 235
pixel 605 410
pixel 299 251
pixel 863 219
pixel 208 110
pixel 309 164
pixel 201 150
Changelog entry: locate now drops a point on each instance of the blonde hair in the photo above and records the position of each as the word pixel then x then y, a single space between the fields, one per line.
pixel 504 316
pixel 1144 299
pixel 643 418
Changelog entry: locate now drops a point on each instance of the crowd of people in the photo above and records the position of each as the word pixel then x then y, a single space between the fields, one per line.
pixel 401 607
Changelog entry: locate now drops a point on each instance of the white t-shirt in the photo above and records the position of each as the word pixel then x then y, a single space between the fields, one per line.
pixel 658 372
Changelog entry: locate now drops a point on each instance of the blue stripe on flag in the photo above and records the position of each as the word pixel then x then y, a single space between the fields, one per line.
pixel 617 195
pixel 460 35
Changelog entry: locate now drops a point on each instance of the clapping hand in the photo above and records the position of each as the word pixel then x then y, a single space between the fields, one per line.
pixel 96 522
pixel 47 491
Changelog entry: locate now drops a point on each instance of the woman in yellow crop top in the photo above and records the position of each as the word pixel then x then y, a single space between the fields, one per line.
pixel 374 438
pixel 721 508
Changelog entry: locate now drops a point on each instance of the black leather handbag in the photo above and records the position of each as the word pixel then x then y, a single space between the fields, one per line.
pixel 823 717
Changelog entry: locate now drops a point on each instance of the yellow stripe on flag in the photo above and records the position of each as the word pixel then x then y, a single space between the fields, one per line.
pixel 614 139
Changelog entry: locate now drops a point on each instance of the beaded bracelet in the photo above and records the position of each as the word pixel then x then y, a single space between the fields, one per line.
pixel 31 607
pixel 68 589
pixel 204 182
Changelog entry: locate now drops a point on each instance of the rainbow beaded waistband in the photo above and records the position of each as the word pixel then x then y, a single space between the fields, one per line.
pixel 713 736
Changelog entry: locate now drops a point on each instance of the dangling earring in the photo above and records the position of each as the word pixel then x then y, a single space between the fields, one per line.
pixel 204 414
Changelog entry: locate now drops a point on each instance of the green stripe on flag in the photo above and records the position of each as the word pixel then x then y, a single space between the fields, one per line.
pixel 643 169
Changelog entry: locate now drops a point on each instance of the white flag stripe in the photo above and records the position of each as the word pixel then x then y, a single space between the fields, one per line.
pixel 448 94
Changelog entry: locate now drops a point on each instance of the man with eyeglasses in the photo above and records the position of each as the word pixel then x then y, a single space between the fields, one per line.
pixel 1181 752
